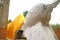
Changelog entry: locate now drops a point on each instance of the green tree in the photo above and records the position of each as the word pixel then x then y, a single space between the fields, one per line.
pixel 55 26
pixel 25 13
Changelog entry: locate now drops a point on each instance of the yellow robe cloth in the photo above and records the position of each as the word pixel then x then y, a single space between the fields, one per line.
pixel 15 25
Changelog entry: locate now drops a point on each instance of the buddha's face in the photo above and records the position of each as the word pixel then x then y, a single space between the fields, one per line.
pixel 47 15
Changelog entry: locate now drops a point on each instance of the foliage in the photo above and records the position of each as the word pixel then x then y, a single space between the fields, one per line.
pixel 55 26
pixel 9 21
pixel 25 13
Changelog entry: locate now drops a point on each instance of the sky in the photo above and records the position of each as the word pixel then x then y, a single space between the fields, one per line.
pixel 19 6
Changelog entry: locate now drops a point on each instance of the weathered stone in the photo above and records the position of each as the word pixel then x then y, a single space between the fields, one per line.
pixel 4 9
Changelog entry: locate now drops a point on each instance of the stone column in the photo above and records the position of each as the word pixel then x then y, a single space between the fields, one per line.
pixel 4 9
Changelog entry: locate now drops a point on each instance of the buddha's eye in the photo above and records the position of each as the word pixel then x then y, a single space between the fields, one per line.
pixel 44 7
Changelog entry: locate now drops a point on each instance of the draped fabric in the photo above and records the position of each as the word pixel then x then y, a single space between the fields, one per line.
pixel 39 32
